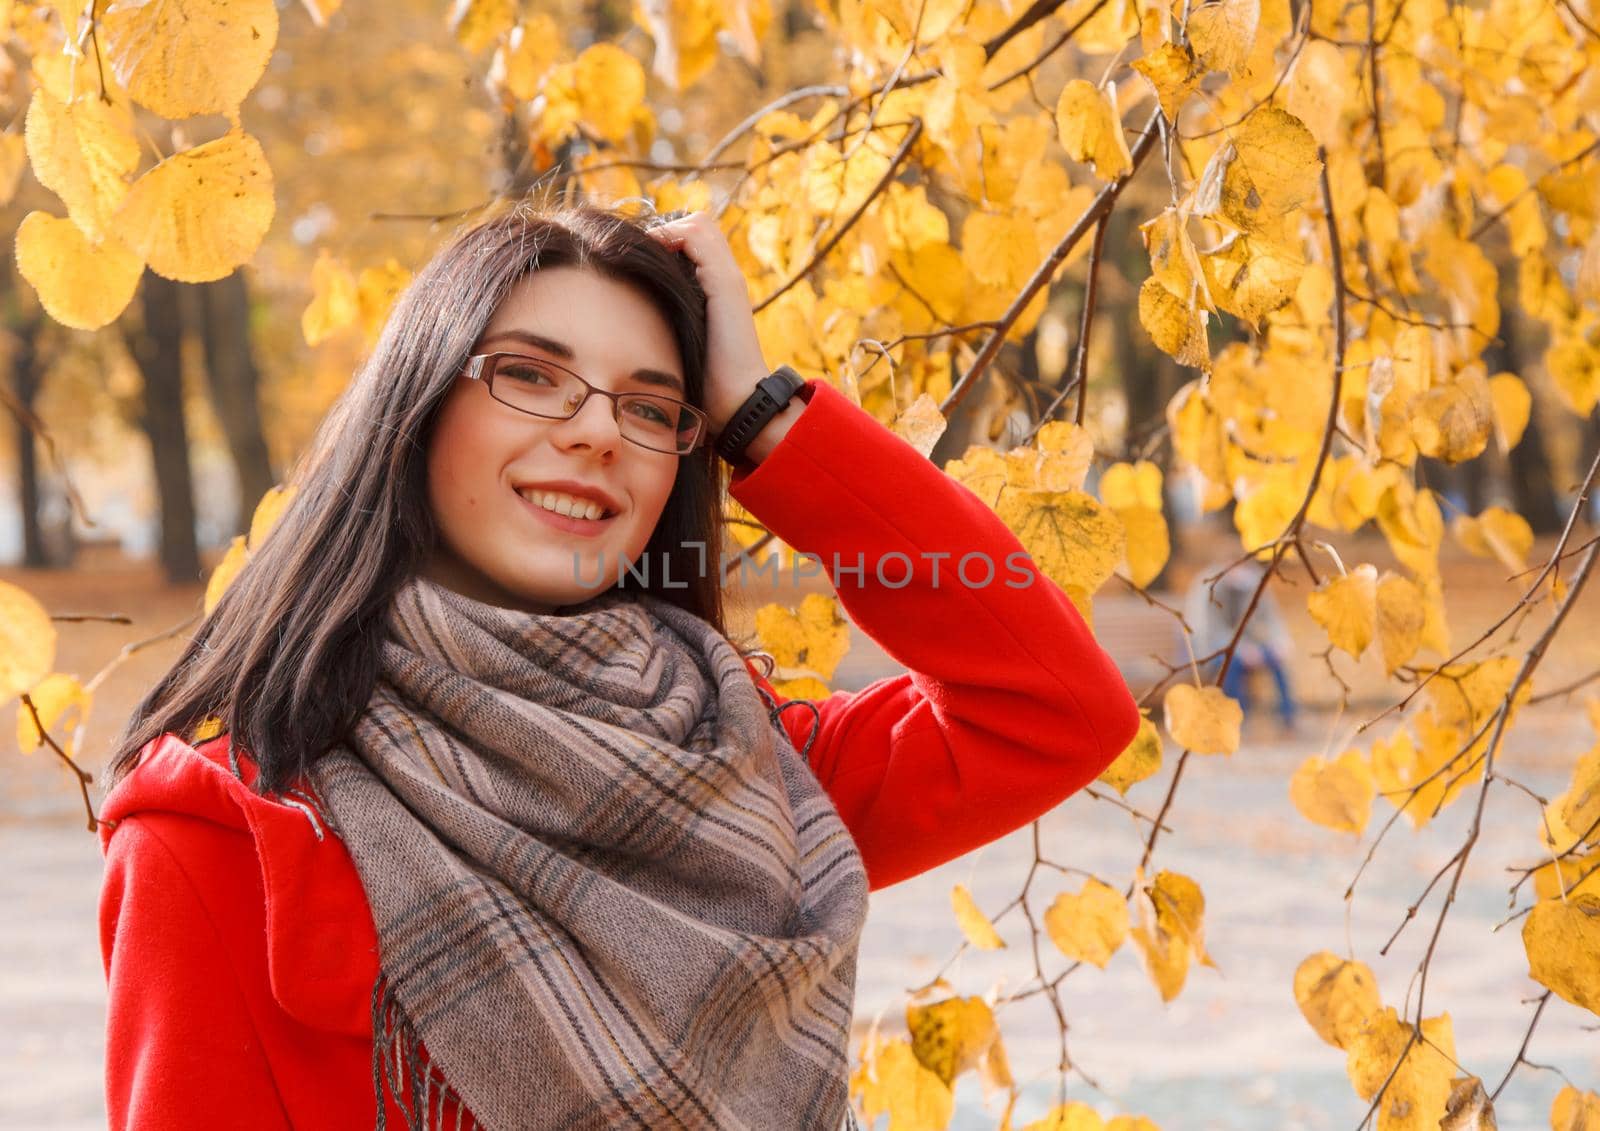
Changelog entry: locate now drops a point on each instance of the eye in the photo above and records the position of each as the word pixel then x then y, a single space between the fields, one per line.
pixel 654 412
pixel 527 371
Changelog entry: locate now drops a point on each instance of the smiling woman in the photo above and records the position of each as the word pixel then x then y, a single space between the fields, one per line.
pixel 487 841
pixel 489 458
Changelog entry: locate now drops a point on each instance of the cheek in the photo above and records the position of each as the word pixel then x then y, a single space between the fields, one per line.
pixel 651 492
pixel 459 475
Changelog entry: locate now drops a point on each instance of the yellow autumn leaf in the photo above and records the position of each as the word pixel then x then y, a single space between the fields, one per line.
pixel 808 641
pixel 1174 262
pixel 1416 1096
pixel 1070 535
pixel 1173 73
pixel 1223 31
pixel 1199 442
pixel 1139 761
pixel 201 213
pixel 1203 719
pixel 1396 770
pixel 1337 794
pixel 610 86
pixel 1347 609
pixel 27 641
pixel 890 1080
pixel 1466 694
pixel 1574 1110
pixel 1318 89
pixel 1574 365
pixel 685 36
pixel 1148 543
pixel 1573 813
pixel 13 159
pixel 974 923
pixel 921 424
pixel 981 470
pixel 996 248
pixel 377 288
pixel 1166 959
pixel 1468 1107
pixel 478 23
pixel 84 153
pixel 1174 324
pixel 1562 938
pixel 1070 1116
pixel 1058 459
pixel 994 1072
pixel 520 63
pixel 53 697
pixel 1130 1123
pixel 951 1036
pixel 79 284
pixel 267 513
pixel 1400 619
pixel 1168 933
pixel 1274 169
pixel 1568 876
pixel 1252 277
pixel 1496 532
pixel 227 569
pixel 1452 422
pixel 194 57
pixel 333 303
pixel 1091 129
pixel 1124 485
pixel 1089 925
pixel 1336 996
pixel 1513 407
pixel 1180 911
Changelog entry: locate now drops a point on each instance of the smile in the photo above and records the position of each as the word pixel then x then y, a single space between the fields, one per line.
pixel 588 527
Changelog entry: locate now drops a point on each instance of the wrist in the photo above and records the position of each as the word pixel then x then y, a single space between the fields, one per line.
pixel 773 432
pixel 757 414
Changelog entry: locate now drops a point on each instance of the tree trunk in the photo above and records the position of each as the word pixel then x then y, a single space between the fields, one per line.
pixel 156 348
pixel 1532 487
pixel 27 376
pixel 235 382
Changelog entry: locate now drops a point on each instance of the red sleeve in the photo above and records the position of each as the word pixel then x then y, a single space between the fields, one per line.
pixel 1008 706
pixel 181 1051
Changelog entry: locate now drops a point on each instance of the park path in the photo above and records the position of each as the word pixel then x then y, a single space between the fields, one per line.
pixel 1231 1052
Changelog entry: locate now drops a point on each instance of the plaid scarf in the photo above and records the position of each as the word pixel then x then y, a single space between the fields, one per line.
pixel 608 891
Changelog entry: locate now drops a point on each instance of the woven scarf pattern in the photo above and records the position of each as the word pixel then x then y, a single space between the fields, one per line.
pixel 608 891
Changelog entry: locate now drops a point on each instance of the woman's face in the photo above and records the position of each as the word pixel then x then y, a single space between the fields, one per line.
pixel 497 546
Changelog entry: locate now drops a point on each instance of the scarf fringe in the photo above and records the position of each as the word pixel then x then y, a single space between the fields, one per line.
pixel 396 1057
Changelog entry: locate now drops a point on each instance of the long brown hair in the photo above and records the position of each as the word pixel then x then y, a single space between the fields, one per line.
pixel 288 658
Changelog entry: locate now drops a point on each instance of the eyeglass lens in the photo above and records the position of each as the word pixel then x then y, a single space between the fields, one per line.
pixel 530 385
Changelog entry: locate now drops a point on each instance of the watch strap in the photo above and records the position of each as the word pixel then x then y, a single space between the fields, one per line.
pixel 770 396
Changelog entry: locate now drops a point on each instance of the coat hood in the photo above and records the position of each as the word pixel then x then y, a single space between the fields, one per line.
pixel 322 947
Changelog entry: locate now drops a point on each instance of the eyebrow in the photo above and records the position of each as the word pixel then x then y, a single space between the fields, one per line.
pixel 564 351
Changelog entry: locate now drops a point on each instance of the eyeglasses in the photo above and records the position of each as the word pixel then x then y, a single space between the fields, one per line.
pixel 543 388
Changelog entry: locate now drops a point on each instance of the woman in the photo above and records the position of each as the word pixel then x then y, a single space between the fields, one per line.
pixel 492 837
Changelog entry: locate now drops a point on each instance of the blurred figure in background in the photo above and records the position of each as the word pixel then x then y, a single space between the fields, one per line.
pixel 1214 614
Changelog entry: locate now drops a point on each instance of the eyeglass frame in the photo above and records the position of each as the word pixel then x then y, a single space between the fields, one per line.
pixel 474 366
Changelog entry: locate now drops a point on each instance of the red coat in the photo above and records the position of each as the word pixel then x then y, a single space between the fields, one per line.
pixel 239 948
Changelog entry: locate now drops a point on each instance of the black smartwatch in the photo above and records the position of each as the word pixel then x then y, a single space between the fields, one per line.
pixel 771 395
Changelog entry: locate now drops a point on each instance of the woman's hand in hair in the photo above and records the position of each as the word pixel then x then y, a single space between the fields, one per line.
pixel 734 362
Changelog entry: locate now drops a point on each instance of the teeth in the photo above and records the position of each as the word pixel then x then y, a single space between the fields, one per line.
pixel 568 505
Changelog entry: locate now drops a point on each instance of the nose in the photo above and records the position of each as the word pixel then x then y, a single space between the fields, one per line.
pixel 593 426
